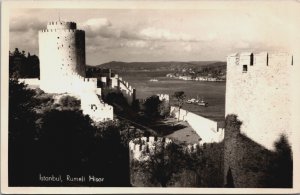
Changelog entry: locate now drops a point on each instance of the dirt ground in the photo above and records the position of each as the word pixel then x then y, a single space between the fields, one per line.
pixel 182 132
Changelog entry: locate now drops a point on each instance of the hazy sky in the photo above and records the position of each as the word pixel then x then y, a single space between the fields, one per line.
pixel 161 35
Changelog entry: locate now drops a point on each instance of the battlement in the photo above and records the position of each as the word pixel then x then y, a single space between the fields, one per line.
pixel 247 59
pixel 258 91
pixel 59 25
pixel 141 148
pixel 163 97
pixel 61 30
pixel 193 148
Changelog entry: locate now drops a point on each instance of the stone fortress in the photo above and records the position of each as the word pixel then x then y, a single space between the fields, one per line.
pixel 258 91
pixel 63 70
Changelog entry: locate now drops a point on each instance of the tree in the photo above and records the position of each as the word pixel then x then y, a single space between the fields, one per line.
pixel 180 97
pixel 135 105
pixel 152 106
pixel 64 141
pixel 164 108
pixel 21 110
pixel 22 132
pixel 163 165
pixel 22 66
pixel 70 103
pixel 281 167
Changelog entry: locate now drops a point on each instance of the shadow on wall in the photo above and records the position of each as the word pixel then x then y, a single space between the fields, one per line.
pixel 248 164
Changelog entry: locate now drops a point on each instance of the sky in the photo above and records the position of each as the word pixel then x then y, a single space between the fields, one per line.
pixel 161 35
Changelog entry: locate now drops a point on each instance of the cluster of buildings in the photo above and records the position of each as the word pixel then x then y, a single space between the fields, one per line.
pixel 197 78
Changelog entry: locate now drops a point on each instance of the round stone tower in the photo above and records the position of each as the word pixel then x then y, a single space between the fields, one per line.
pixel 62 56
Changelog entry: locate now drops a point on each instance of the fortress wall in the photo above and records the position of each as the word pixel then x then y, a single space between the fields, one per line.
pixel 141 149
pixel 114 82
pixel 207 129
pixel 163 97
pixel 31 82
pixel 128 91
pixel 259 94
pixel 97 110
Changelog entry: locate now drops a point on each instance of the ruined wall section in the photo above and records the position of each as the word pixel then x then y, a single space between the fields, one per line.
pixel 258 91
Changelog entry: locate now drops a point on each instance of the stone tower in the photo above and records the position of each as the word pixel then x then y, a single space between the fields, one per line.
pixel 62 56
pixel 258 91
pixel 62 68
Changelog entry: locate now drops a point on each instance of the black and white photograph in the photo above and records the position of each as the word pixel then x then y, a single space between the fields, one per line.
pixel 167 96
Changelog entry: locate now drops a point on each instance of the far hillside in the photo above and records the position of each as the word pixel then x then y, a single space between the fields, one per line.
pixel 171 66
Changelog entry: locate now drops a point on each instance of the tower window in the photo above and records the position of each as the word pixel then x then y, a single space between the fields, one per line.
pixel 292 61
pixel 58 37
pixel 245 68
pixel 267 59
pixel 251 59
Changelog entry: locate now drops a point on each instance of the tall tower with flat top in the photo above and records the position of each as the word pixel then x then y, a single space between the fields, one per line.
pixel 62 68
pixel 62 56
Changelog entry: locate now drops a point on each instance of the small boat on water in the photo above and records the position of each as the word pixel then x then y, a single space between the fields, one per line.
pixel 202 103
pixel 197 102
pixel 153 80
pixel 191 101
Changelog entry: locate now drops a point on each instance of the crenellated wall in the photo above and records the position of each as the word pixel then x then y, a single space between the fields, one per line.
pixel 164 97
pixel 200 164
pixel 128 91
pixel 141 148
pixel 207 129
pixel 258 91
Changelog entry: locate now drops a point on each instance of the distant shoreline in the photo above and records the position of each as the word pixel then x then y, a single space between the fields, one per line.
pixel 198 78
